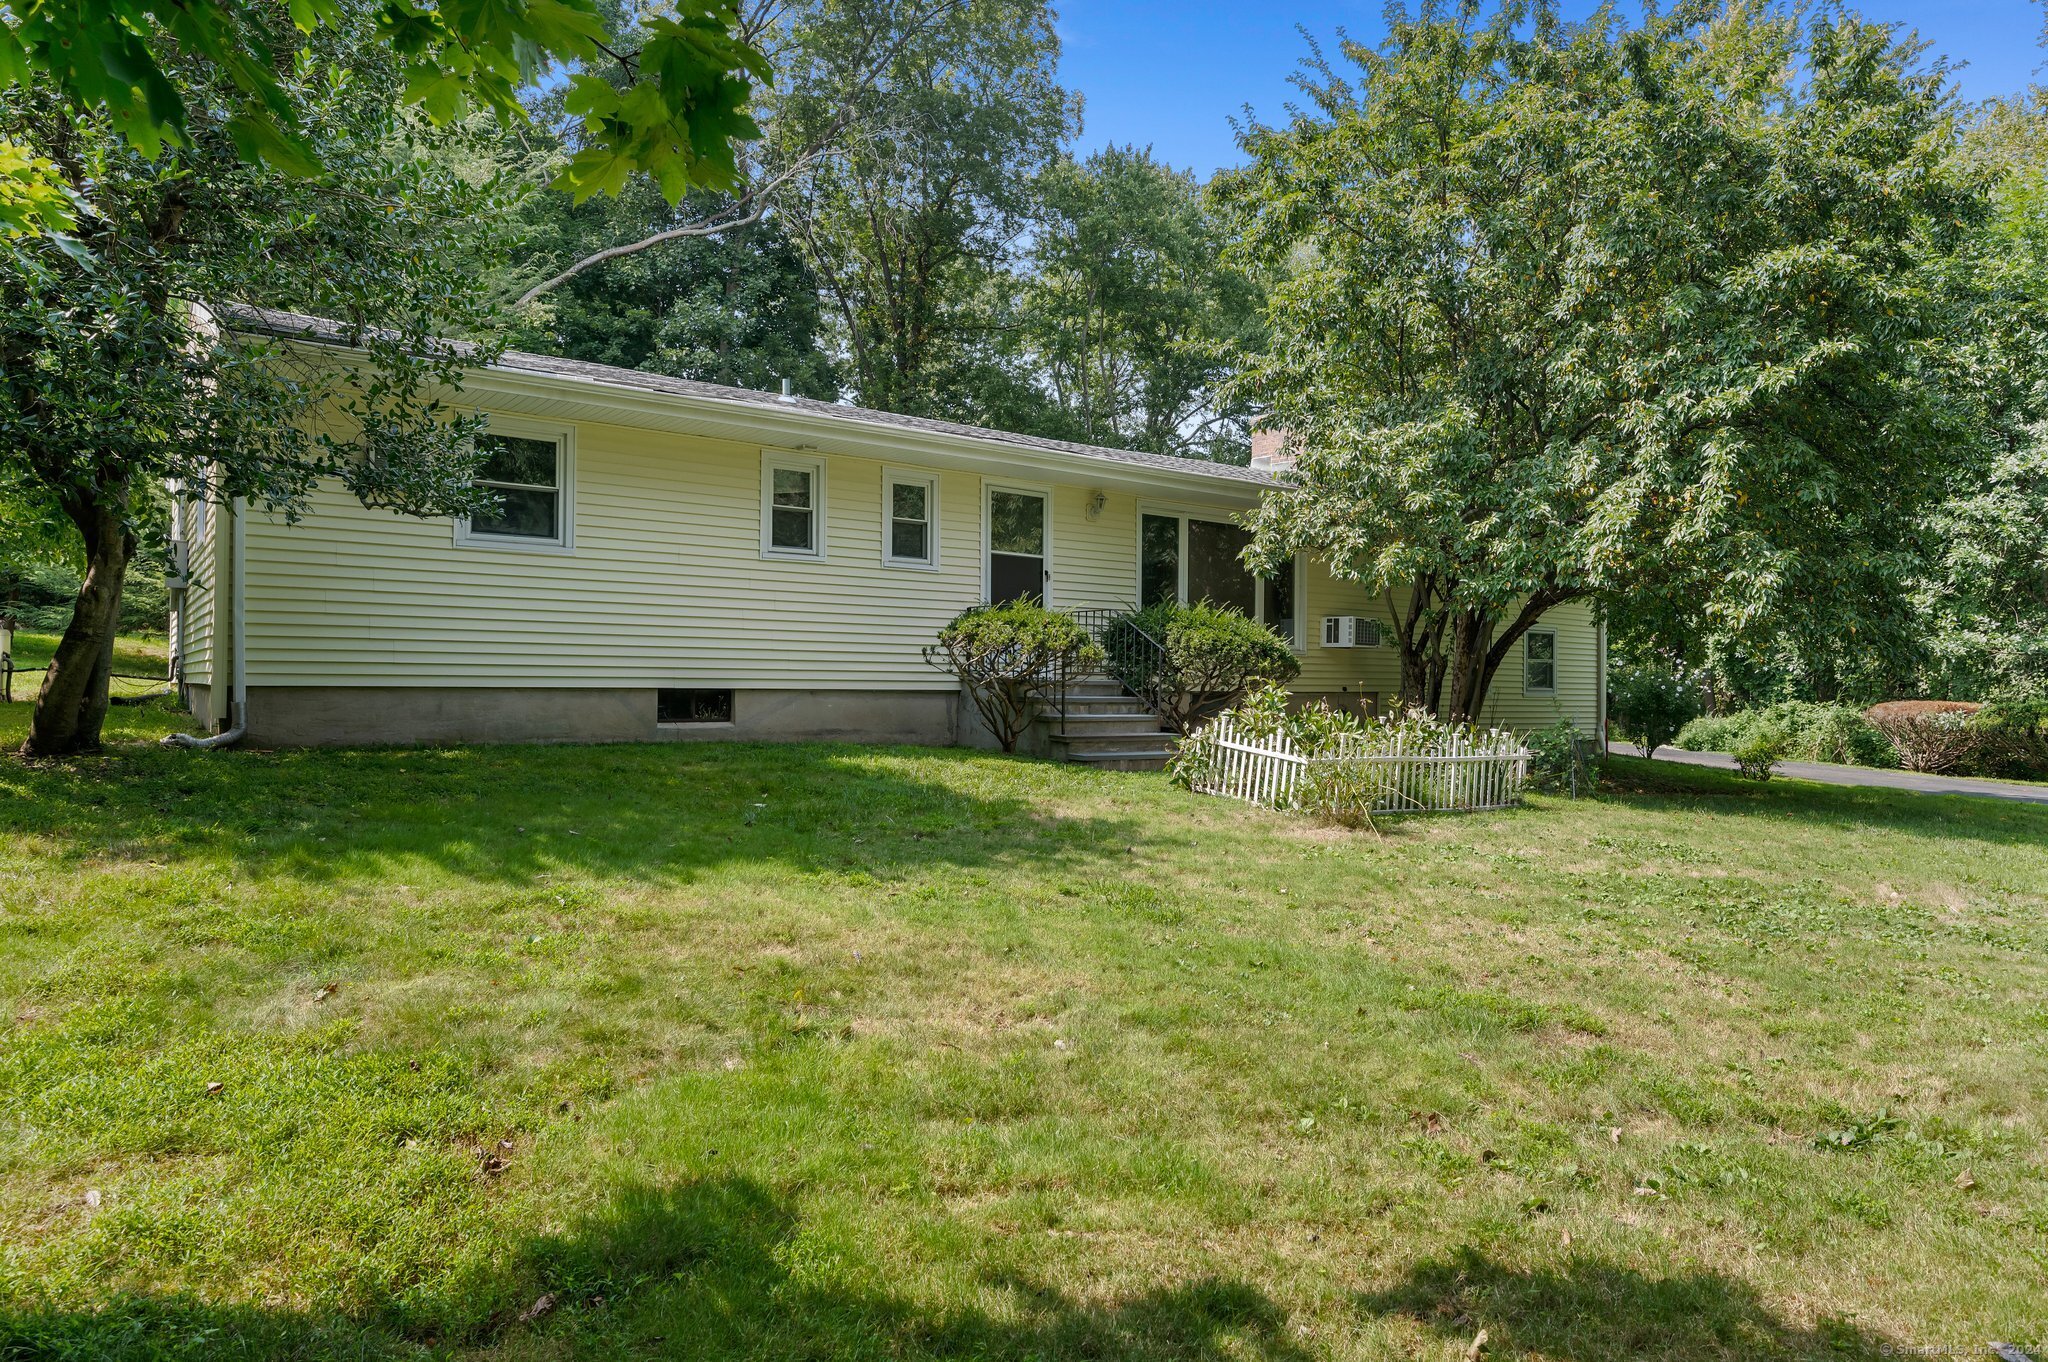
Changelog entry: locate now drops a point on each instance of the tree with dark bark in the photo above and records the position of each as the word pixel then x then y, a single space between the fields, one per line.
pixel 1658 316
pixel 117 372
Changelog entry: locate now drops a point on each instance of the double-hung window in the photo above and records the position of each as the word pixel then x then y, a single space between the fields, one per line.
pixel 792 506
pixel 528 473
pixel 1539 662
pixel 910 512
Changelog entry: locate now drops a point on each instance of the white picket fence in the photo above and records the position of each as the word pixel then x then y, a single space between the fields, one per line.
pixel 1455 773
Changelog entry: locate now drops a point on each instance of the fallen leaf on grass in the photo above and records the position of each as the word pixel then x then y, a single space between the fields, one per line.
pixel 215 1089
pixel 538 1308
pixel 1478 1346
pixel 324 992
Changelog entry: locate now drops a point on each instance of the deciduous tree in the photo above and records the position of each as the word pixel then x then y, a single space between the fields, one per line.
pixel 1648 314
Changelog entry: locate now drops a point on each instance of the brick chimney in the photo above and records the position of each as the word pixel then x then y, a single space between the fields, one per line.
pixel 1268 452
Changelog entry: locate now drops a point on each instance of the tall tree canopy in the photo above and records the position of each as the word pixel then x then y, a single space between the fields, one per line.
pixel 113 378
pixel 1128 315
pixel 739 306
pixel 909 209
pixel 1651 314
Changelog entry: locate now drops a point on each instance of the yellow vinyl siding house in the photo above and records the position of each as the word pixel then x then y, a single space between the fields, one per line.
pixel 678 560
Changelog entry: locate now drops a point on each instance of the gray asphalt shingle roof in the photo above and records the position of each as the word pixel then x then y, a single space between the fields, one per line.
pixel 299 326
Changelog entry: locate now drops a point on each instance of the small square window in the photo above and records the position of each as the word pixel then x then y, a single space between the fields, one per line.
pixel 1539 662
pixel 693 706
pixel 529 476
pixel 792 507
pixel 910 503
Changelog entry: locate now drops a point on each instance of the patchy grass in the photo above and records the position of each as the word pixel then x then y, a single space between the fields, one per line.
pixel 842 1052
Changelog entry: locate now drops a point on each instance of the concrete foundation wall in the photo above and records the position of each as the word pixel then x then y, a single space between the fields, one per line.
pixel 342 716
pixel 199 699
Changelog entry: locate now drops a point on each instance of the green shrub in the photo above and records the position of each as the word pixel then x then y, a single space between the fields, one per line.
pixel 1759 750
pixel 1713 732
pixel 1211 658
pixel 1650 705
pixel 1562 760
pixel 2015 739
pixel 1005 655
pixel 1809 732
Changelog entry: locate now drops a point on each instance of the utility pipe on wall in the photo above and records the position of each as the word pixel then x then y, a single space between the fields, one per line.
pixel 238 686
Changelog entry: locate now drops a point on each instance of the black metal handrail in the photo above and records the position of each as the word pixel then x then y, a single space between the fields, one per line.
pixel 1131 657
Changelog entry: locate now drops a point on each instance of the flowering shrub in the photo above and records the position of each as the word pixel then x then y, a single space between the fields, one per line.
pixel 1649 705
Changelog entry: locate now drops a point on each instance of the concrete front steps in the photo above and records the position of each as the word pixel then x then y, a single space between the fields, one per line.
pixel 1106 727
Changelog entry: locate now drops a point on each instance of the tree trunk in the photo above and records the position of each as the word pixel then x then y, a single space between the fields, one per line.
pixel 72 704
pixel 1471 666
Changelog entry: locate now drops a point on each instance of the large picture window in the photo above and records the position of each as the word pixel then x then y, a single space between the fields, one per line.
pixel 528 472
pixel 1194 559
pixel 792 507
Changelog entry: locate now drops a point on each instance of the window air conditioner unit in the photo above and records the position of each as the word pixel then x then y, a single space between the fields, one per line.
pixel 1350 631
pixel 177 564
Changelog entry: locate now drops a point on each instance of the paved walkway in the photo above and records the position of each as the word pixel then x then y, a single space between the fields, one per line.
pixel 1829 774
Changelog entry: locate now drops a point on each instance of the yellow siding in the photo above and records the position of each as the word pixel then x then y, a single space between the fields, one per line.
pixel 1354 671
pixel 666 584
pixel 1095 561
pixel 196 621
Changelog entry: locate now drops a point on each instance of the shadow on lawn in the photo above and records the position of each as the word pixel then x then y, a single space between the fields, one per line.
pixel 657 812
pixel 1591 1311
pixel 1846 807
pixel 712 1269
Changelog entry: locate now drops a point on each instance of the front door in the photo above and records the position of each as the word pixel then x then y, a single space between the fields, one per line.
pixel 1016 545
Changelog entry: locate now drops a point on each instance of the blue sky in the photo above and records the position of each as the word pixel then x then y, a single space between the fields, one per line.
pixel 1171 73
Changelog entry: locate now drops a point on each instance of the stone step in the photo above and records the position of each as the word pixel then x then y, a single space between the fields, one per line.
pixel 1092 690
pixel 1099 704
pixel 1120 761
pixel 1140 742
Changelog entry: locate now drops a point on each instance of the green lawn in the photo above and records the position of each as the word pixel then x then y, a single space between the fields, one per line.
pixel 139 663
pixel 837 1052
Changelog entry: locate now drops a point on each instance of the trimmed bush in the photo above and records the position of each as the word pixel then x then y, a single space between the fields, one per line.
pixel 1758 752
pixel 1649 705
pixel 1939 737
pixel 1213 657
pixel 1006 654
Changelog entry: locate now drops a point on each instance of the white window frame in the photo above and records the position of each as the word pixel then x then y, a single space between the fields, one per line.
pixel 892 478
pixel 771 460
pixel 1024 489
pixel 564 540
pixel 1299 643
pixel 1527 638
pixel 1181 515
